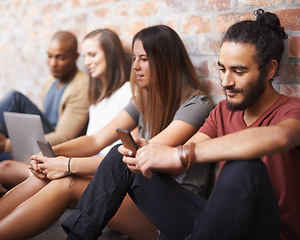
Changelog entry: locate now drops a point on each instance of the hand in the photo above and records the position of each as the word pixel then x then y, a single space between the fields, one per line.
pixel 2 142
pixel 52 168
pixel 127 153
pixel 156 157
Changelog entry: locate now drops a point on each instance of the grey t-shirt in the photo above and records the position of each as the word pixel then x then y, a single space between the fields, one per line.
pixel 194 111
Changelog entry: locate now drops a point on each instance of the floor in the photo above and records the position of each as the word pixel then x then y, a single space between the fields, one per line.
pixel 57 233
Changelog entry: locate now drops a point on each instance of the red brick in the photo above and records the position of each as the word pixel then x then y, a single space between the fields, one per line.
pixel 114 28
pixel 47 20
pixel 196 24
pixel 202 68
pixel 262 3
pixel 259 3
pixel 289 2
pixel 123 10
pixel 178 5
pixel 148 8
pixel 98 2
pixel 211 5
pixel 172 24
pixel 76 3
pixel 289 18
pixel 294 46
pixel 17 3
pixel 102 12
pixel 209 45
pixel 289 73
pixel 224 21
pixel 57 6
pixel 47 8
pixel 133 27
pixel 290 90
pixel 213 86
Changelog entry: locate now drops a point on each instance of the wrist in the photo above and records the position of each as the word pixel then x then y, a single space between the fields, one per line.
pixel 186 155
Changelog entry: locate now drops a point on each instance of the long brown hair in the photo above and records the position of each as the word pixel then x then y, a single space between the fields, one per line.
pixel 173 78
pixel 117 69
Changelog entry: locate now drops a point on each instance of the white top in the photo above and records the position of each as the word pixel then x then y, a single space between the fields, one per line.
pixel 106 110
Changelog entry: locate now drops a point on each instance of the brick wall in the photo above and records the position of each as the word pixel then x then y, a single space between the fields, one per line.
pixel 27 25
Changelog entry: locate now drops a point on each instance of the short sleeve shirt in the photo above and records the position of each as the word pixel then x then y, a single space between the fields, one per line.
pixel 284 168
pixel 193 111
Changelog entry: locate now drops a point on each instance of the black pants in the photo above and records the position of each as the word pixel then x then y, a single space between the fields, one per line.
pixel 242 205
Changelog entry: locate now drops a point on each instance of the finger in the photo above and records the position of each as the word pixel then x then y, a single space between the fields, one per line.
pixel 146 171
pixel 129 160
pixel 125 151
pixel 133 168
pixel 38 158
pixel 140 142
pixel 41 166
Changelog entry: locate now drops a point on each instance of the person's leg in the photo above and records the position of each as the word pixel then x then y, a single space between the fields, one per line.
pixel 242 205
pixel 130 221
pixel 170 207
pixel 40 210
pixel 16 102
pixel 12 173
pixel 19 194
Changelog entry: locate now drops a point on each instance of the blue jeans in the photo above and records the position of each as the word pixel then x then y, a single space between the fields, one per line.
pixel 242 204
pixel 15 101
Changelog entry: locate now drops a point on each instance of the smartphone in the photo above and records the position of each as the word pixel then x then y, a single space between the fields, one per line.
pixel 127 140
pixel 46 149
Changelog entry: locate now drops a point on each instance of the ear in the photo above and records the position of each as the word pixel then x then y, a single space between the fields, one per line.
pixel 76 56
pixel 271 69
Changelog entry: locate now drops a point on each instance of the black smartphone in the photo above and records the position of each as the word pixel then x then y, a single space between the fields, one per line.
pixel 46 149
pixel 127 139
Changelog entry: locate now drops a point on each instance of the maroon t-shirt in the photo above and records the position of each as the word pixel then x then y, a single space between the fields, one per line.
pixel 284 168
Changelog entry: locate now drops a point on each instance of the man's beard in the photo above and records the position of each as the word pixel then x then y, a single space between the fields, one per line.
pixel 250 93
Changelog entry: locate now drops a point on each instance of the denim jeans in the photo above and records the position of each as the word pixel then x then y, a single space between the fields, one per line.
pixel 242 205
pixel 15 101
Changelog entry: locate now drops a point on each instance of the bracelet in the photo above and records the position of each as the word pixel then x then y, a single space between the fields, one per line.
pixel 192 157
pixel 68 172
pixel 187 155
pixel 182 157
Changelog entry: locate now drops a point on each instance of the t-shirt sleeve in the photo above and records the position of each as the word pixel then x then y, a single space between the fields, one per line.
pixel 132 111
pixel 194 111
pixel 292 110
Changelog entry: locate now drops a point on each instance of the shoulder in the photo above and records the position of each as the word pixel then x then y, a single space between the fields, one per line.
pixel 81 77
pixel 199 102
pixel 195 110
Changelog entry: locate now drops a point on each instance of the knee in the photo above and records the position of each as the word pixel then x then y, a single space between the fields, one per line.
pixel 6 168
pixel 12 95
pixel 113 157
pixel 243 173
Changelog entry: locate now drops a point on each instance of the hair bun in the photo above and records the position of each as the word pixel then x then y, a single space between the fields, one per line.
pixel 270 20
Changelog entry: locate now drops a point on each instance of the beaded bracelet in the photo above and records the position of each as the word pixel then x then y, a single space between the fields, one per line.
pixel 187 155
pixel 68 172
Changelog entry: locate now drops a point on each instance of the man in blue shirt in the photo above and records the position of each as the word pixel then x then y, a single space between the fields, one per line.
pixel 65 104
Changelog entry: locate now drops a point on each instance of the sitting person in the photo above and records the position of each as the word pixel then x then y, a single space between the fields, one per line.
pixel 254 133
pixel 168 106
pixel 65 105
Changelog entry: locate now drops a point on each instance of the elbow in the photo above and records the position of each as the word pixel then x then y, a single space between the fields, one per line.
pixel 284 142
